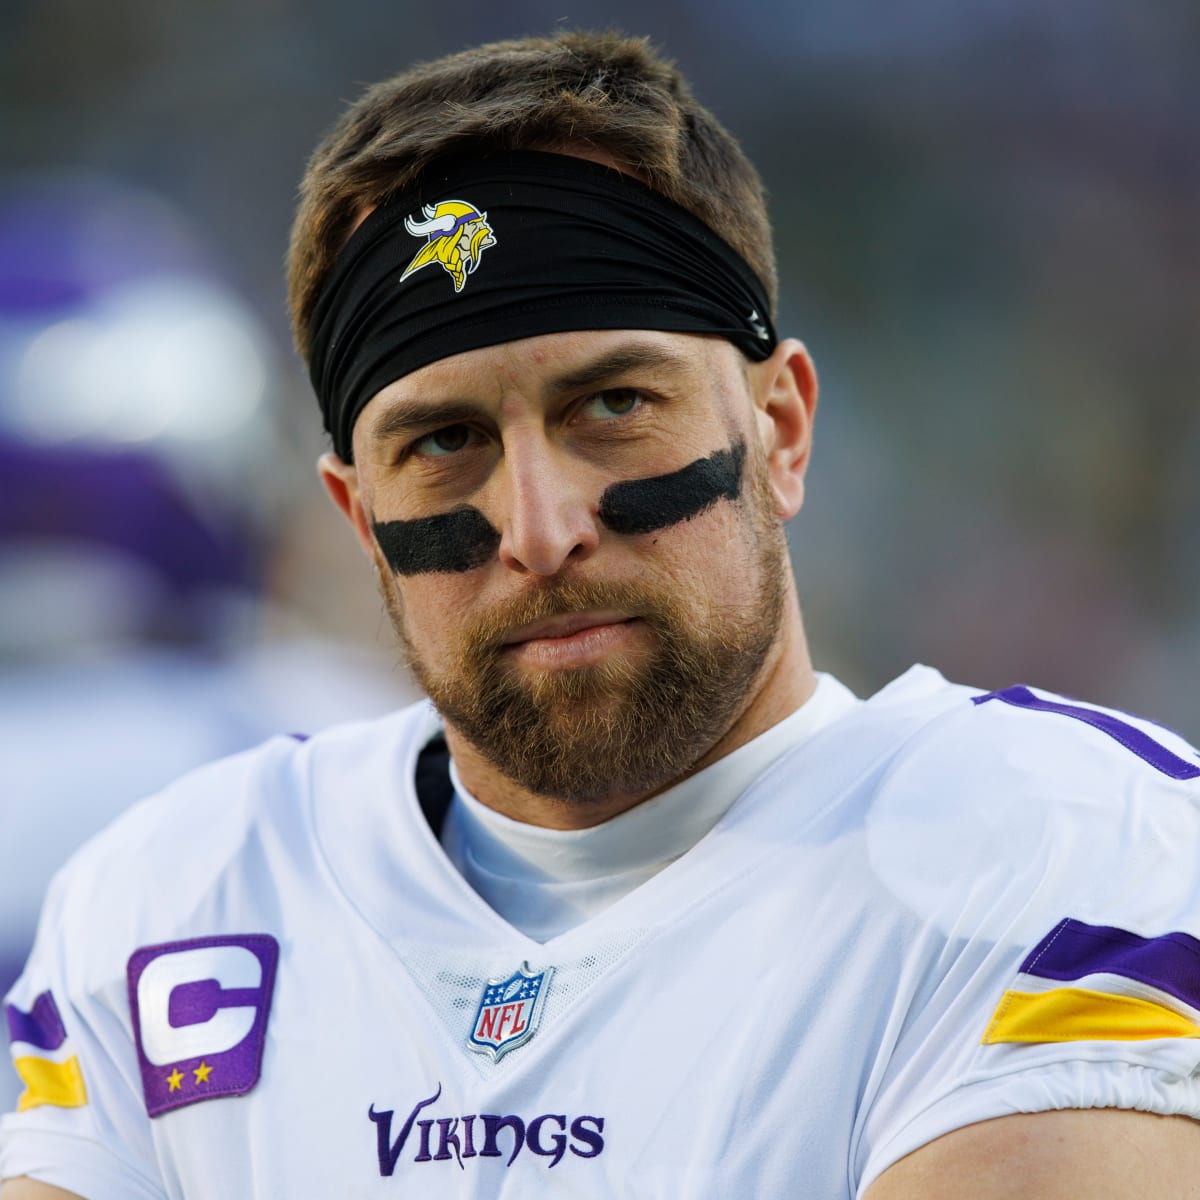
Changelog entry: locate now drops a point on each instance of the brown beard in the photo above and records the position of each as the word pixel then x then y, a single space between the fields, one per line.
pixel 617 727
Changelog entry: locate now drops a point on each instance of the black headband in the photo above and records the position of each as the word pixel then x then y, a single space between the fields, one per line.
pixel 490 250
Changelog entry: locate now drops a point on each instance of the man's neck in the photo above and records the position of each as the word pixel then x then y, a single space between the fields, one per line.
pixel 785 682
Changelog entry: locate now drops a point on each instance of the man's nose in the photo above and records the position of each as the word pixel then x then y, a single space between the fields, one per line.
pixel 549 521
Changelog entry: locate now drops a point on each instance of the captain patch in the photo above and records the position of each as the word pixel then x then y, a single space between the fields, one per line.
pixel 200 1011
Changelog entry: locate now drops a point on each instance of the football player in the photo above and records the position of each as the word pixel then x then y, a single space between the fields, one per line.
pixel 637 903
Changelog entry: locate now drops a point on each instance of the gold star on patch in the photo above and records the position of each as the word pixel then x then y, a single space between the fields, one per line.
pixel 175 1080
pixel 202 1072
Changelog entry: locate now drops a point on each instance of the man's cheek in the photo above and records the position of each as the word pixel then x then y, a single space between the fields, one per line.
pixel 437 616
pixel 445 544
pixel 463 539
pixel 638 506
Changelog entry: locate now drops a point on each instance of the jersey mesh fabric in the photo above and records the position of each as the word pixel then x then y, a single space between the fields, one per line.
pixel 452 984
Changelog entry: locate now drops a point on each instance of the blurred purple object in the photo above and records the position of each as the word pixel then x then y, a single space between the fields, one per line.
pixel 126 501
pixel 134 390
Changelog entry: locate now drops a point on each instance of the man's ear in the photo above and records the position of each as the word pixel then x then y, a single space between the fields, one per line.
pixel 341 482
pixel 785 400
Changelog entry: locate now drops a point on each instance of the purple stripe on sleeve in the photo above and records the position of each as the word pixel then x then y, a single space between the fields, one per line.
pixel 41 1026
pixel 1129 736
pixel 1072 949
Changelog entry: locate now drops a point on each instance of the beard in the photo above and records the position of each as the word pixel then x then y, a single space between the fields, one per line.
pixel 616 727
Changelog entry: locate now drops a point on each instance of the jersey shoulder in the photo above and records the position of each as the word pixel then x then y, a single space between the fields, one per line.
pixel 1027 738
pixel 1022 806
pixel 1038 854
pixel 224 833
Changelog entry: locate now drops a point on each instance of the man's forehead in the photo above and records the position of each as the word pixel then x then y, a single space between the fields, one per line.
pixel 546 366
pixel 571 244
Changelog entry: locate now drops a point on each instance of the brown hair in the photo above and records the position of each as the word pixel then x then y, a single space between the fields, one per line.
pixel 579 90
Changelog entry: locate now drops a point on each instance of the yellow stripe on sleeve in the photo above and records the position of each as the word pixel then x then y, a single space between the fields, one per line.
pixel 60 1084
pixel 1078 1015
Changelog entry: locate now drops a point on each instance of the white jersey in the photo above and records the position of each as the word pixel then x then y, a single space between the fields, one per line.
pixel 943 907
pixel 83 736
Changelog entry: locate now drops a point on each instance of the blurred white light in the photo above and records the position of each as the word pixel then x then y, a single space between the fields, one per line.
pixel 191 366
pixel 56 396
pixel 169 358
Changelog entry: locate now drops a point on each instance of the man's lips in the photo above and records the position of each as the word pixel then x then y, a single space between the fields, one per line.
pixel 564 626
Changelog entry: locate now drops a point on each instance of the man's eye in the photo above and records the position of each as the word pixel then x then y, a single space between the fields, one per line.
pixel 617 402
pixel 441 442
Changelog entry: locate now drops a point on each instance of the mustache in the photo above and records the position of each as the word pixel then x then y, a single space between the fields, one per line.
pixel 488 633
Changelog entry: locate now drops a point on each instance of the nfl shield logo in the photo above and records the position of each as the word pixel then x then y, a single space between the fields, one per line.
pixel 509 1012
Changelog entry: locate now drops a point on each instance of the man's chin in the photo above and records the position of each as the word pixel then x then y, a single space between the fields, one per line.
pixel 565 695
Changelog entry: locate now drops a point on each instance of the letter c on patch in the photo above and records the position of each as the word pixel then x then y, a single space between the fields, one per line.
pixel 200 1007
pixel 225 969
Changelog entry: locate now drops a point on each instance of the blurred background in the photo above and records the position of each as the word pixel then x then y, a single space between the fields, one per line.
pixel 987 217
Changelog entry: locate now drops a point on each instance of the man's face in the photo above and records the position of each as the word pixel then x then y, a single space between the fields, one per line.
pixel 578 545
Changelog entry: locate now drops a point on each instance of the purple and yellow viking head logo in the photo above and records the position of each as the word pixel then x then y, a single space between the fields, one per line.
pixel 458 235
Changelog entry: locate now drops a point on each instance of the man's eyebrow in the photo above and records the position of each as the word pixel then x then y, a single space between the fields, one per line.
pixel 404 416
pixel 619 362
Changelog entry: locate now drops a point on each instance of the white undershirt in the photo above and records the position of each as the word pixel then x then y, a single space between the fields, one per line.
pixel 546 881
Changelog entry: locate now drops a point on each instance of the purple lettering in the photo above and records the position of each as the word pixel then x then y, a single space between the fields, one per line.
pixel 447 1137
pixel 468 1128
pixel 492 1124
pixel 389 1151
pixel 533 1137
pixel 589 1137
pixel 546 1136
pixel 423 1154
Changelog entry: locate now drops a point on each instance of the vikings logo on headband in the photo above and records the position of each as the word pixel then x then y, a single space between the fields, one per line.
pixel 458 235
pixel 585 246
